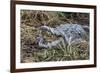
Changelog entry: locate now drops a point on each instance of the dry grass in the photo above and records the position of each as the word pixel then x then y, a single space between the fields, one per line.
pixel 31 20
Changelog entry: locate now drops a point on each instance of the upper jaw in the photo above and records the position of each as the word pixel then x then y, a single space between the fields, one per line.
pixel 44 28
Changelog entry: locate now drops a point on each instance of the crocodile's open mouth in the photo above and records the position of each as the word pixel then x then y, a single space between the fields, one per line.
pixel 47 39
pixel 48 36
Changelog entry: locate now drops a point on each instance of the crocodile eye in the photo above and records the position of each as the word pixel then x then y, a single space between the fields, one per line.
pixel 79 33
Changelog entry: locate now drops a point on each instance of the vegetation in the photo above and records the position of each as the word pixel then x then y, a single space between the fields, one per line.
pixel 31 20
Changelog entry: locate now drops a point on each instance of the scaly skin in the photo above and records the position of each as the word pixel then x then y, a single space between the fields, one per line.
pixel 70 33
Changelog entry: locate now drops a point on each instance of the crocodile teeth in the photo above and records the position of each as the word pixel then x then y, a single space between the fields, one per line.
pixel 49 33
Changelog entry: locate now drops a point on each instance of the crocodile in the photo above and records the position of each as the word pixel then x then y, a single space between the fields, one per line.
pixel 69 34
